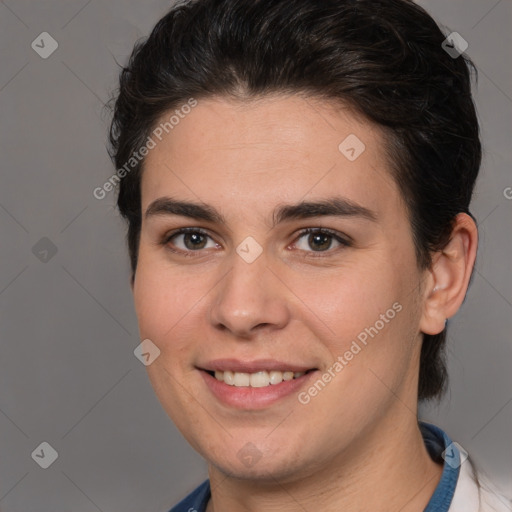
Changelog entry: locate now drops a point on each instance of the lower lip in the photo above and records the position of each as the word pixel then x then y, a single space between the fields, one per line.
pixel 253 398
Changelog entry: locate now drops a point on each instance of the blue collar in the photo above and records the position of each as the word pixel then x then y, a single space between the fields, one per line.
pixel 436 442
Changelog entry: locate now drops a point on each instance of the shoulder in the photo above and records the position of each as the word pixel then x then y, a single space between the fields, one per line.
pixel 475 493
pixel 196 501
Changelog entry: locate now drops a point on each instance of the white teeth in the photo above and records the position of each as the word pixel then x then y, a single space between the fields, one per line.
pixel 276 377
pixel 229 378
pixel 241 379
pixel 256 380
pixel 259 379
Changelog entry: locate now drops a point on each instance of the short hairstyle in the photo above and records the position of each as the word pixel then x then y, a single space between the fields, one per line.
pixel 382 58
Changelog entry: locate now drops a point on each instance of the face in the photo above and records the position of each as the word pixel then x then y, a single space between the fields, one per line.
pixel 248 289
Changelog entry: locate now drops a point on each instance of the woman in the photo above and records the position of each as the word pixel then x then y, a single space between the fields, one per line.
pixel 296 176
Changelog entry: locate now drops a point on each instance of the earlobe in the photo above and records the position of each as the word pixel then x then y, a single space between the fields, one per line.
pixel 450 274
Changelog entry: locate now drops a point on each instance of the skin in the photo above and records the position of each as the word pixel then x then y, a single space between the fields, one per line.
pixel 356 445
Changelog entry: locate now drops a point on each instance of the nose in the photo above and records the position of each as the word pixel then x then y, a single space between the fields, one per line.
pixel 250 298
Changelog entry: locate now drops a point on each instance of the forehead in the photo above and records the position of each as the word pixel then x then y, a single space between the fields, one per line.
pixel 280 149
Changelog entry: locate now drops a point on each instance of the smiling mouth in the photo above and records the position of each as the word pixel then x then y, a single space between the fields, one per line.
pixel 256 380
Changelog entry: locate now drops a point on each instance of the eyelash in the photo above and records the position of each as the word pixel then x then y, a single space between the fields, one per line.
pixel 314 254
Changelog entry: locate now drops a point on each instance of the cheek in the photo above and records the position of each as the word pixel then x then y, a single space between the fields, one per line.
pixel 346 301
pixel 371 325
pixel 364 315
pixel 164 298
pixel 164 302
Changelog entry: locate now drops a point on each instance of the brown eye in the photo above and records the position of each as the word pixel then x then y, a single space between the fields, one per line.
pixel 188 240
pixel 194 241
pixel 320 240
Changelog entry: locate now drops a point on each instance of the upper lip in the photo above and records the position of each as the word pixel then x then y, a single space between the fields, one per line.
pixel 236 365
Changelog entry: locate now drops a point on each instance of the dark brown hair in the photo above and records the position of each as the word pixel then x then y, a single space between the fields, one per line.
pixel 383 58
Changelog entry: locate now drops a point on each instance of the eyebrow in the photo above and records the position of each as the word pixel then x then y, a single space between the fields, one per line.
pixel 333 206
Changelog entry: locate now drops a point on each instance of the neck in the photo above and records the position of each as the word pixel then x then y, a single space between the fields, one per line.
pixel 386 468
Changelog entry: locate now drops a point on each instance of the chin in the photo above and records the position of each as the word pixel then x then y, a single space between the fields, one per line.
pixel 260 461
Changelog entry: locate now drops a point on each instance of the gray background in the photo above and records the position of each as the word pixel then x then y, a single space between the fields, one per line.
pixel 68 375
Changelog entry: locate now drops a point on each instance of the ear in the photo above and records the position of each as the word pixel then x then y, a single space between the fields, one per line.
pixel 449 276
